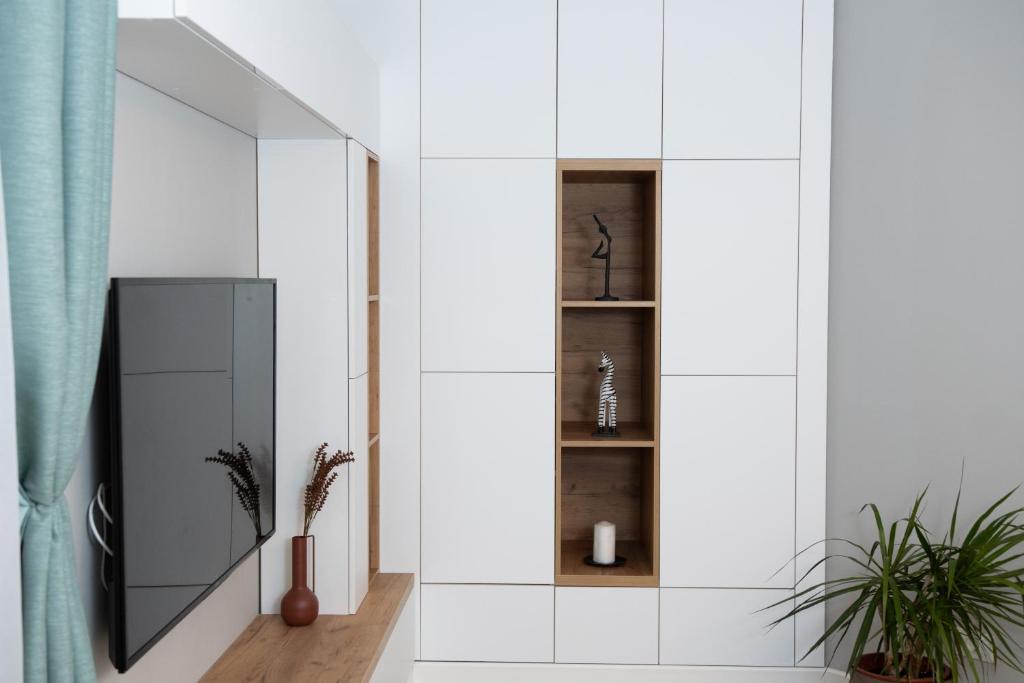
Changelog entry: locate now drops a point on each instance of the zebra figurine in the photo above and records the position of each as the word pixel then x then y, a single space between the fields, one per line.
pixel 607 402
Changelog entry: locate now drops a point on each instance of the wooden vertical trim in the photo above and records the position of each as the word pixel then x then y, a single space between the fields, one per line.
pixel 373 363
pixel 558 371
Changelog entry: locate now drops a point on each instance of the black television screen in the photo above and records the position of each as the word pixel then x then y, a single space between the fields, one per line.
pixel 192 445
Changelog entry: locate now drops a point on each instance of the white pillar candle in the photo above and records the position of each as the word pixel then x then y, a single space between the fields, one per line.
pixel 604 543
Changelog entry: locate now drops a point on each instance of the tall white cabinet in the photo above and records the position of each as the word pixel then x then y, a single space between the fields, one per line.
pixel 313 239
pixel 302 238
pixel 733 96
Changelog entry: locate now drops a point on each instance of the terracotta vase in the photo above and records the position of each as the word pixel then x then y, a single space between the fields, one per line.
pixel 299 606
pixel 869 664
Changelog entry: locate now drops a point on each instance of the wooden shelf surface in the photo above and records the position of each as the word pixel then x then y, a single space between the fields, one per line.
pixel 581 435
pixel 637 572
pixel 336 648
pixel 609 304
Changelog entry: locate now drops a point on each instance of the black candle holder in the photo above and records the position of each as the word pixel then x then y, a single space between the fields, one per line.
pixel 620 561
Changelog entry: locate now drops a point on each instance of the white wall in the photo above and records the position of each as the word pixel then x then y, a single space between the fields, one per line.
pixel 184 204
pixel 10 561
pixel 925 365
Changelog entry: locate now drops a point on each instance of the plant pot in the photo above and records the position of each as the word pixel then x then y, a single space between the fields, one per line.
pixel 299 606
pixel 870 664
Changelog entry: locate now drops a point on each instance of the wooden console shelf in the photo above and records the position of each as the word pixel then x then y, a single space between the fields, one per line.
pixel 598 478
pixel 334 648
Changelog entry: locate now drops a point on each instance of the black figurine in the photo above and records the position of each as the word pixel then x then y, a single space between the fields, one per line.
pixel 607 256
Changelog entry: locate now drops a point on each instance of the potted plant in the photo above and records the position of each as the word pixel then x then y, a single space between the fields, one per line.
pixel 299 606
pixel 932 610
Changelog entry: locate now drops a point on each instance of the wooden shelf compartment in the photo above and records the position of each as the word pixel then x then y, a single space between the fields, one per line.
pixel 608 304
pixel 628 336
pixel 581 435
pixel 636 573
pixel 614 484
pixel 373 364
pixel 373 367
pixel 374 507
pixel 624 195
pixel 614 479
pixel 373 227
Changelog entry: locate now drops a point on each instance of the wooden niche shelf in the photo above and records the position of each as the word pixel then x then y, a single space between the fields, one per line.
pixel 373 362
pixel 613 479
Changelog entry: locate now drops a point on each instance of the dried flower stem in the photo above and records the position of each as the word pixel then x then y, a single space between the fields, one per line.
pixel 320 483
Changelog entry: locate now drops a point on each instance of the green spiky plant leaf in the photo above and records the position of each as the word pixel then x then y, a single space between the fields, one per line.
pixel 928 607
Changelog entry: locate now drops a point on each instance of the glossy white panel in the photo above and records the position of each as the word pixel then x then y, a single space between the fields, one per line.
pixel 727 469
pixel 312 54
pixel 488 75
pixel 487 623
pixel 175 59
pixel 606 625
pixel 302 243
pixel 488 255
pixel 609 78
pixel 729 279
pixel 732 79
pixel 724 628
pixel 358 285
pixel 488 478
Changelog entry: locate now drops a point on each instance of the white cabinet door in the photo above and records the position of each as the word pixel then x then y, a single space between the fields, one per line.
pixel 732 79
pixel 609 78
pixel 358 285
pixel 727 481
pixel 358 492
pixel 488 274
pixel 487 623
pixel 488 72
pixel 606 625
pixel 704 627
pixel 302 244
pixel 488 478
pixel 729 234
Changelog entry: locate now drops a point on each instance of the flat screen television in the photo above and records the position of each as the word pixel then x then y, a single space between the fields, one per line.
pixel 192 445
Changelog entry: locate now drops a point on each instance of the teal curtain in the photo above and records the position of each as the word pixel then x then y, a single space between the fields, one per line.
pixel 56 137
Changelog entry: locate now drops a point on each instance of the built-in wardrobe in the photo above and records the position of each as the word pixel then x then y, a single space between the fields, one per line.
pixel 697 132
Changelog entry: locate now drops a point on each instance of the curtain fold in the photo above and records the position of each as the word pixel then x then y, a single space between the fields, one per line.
pixel 57 61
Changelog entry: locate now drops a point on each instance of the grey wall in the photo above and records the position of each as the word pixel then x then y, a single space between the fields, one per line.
pixel 926 339
pixel 184 204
